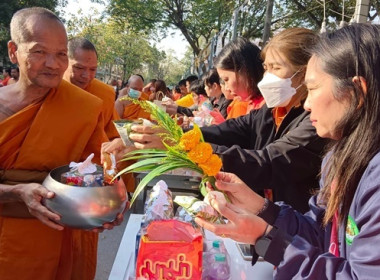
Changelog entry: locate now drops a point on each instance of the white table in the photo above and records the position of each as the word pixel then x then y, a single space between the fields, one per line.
pixel 124 265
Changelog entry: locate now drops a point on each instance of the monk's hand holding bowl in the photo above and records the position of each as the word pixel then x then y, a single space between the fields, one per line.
pixel 32 194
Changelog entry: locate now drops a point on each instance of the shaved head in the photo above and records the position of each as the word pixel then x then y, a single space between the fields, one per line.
pixel 136 82
pixel 80 43
pixel 20 27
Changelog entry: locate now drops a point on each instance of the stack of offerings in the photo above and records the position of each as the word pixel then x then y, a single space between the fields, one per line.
pixel 168 246
pixel 86 196
pixel 88 174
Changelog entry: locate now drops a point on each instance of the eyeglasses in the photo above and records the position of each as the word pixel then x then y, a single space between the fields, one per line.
pixel 222 82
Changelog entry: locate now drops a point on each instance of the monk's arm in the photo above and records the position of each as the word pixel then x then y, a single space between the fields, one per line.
pixel 119 106
pixel 31 194
pixel 9 193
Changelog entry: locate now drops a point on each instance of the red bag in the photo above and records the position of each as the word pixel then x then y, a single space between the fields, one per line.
pixel 170 250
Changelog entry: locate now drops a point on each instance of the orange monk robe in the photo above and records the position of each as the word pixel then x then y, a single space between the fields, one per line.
pixel 107 94
pixel 66 126
pixel 239 108
pixel 134 111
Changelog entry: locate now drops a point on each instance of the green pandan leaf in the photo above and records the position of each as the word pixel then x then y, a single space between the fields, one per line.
pixel 145 151
pixel 143 156
pixel 139 164
pixel 159 170
pixel 202 188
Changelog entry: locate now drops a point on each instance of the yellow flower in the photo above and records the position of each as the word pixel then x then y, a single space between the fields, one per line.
pixel 201 153
pixel 190 139
pixel 212 166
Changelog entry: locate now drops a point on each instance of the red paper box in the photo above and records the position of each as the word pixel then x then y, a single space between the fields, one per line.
pixel 170 250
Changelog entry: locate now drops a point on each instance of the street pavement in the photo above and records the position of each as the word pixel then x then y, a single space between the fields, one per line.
pixel 108 244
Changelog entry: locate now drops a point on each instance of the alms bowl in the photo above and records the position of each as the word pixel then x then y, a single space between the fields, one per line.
pixel 84 207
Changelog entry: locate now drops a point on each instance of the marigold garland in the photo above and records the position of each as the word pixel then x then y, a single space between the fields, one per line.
pixel 212 166
pixel 200 153
pixel 187 150
pixel 190 139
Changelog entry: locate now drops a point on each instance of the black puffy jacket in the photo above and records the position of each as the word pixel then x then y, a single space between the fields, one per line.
pixel 287 160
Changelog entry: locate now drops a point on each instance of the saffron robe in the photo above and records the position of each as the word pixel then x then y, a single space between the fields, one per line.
pixel 134 111
pixel 66 126
pixel 107 94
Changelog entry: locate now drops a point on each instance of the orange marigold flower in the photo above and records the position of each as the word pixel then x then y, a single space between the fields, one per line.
pixel 190 139
pixel 201 153
pixel 212 166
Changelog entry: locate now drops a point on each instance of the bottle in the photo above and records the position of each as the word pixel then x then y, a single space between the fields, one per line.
pixel 219 269
pixel 218 247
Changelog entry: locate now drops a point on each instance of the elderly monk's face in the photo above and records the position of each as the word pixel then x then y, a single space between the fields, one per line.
pixel 82 68
pixel 42 58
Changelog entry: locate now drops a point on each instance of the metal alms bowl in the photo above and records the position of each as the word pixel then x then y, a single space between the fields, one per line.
pixel 84 207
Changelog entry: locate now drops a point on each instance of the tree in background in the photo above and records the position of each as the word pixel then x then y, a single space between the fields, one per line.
pixel 8 8
pixel 121 50
pixel 198 20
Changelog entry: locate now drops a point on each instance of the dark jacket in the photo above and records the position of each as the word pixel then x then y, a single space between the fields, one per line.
pixel 221 105
pixel 287 161
pixel 307 256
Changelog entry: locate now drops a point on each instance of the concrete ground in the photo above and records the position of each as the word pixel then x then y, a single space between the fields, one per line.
pixel 108 245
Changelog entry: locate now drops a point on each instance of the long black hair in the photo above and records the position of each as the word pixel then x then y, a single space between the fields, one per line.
pixel 352 51
pixel 242 57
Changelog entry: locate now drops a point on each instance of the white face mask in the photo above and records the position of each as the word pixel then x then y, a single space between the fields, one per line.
pixel 275 90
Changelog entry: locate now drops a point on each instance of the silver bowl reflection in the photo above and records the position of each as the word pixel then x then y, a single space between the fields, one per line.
pixel 84 207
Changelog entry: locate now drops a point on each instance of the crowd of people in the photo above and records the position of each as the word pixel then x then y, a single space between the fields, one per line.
pixel 295 124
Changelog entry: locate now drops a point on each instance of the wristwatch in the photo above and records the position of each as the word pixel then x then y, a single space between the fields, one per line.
pixel 263 243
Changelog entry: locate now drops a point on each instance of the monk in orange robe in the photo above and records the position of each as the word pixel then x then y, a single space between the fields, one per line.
pixel 107 94
pixel 83 63
pixel 125 108
pixel 45 122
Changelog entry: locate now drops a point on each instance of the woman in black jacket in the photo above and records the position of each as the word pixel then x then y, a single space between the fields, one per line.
pixel 276 148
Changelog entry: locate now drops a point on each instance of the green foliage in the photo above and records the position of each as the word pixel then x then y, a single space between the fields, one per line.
pixel 122 51
pixel 119 50
pixel 310 14
pixel 173 132
pixel 157 162
pixel 197 20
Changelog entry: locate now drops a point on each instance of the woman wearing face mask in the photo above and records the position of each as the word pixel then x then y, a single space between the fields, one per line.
pixel 339 237
pixel 275 147
pixel 270 148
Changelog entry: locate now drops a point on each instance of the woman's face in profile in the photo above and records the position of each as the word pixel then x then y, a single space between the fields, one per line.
pixel 235 83
pixel 325 110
